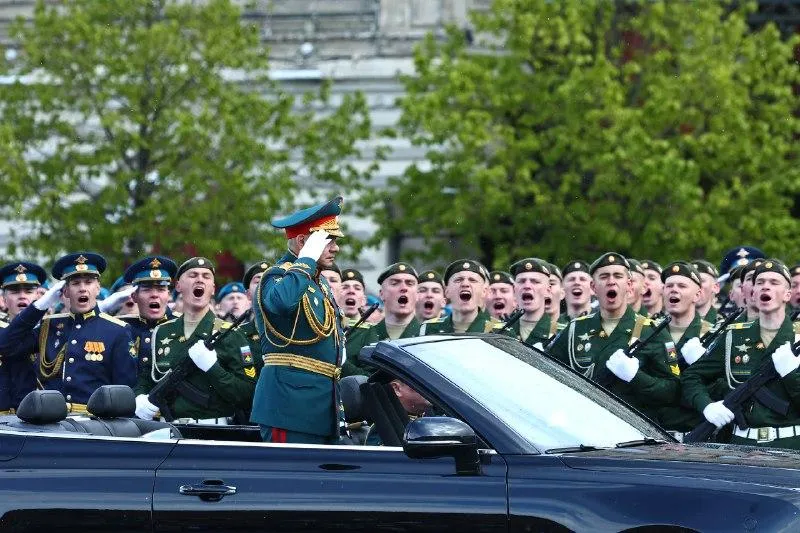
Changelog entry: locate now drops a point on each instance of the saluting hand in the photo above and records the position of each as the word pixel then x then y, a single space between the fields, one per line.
pixel 203 358
pixel 50 298
pixel 314 245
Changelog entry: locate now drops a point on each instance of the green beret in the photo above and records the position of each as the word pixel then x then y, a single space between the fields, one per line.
pixel 530 264
pixel 195 262
pixel 681 268
pixel 351 274
pixel 498 276
pixel 333 268
pixel 636 266
pixel 749 267
pixel 575 266
pixel 465 265
pixel 647 264
pixel 554 270
pixel 795 271
pixel 430 275
pixel 771 265
pixel 253 270
pixel 397 268
pixel 609 259
pixel 704 267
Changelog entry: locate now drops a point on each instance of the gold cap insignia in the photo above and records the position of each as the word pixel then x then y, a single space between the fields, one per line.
pixel 768 264
pixel 611 258
pixel 430 275
pixel 155 263
pixel 528 266
pixel 401 267
pixel 577 265
pixel 21 277
pixel 497 276
pixel 264 266
pixel 201 262
pixel 676 268
pixel 81 268
pixel 155 273
pixel 350 275
pixel 20 268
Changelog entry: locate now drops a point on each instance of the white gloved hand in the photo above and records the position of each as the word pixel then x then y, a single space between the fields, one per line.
pixel 692 351
pixel 144 409
pixel 315 245
pixel 784 359
pixel 539 346
pixel 202 356
pixel 51 297
pixel 624 367
pixel 114 302
pixel 718 414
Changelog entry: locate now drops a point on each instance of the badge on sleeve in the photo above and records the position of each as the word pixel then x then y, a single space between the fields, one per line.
pixel 247 355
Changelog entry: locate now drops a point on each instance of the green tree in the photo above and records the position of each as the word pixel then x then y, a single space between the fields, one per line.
pixel 657 129
pixel 152 125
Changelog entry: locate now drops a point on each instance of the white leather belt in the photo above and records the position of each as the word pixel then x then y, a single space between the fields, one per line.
pixel 767 434
pixel 221 421
pixel 678 435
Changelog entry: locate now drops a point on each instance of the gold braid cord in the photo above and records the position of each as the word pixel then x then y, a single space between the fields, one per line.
pixel 49 369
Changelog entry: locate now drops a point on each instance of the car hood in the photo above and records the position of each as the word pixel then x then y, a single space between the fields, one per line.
pixel 718 461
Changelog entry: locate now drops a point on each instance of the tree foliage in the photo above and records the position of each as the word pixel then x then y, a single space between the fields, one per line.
pixel 152 125
pixel 657 129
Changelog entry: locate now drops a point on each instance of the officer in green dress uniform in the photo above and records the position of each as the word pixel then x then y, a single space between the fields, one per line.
pixel 744 348
pixel 465 288
pixel 430 295
pixel 532 289
pixel 709 290
pixel 399 294
pixel 682 287
pixel 301 331
pixel 19 282
pixel 501 301
pixel 577 290
pixel 224 379
pixel 593 344
pixel 353 300
pixel 653 296
pixel 637 287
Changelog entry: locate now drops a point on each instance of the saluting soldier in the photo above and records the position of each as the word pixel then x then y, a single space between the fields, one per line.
pixel 19 282
pixel 682 287
pixel 593 344
pixel 354 298
pixel 79 351
pixel 637 287
pixel 430 295
pixel 224 380
pixel 709 289
pixel 577 290
pixel 501 301
pixel 399 294
pixel 741 352
pixel 301 332
pixel 653 296
pixel 465 282
pixel 532 289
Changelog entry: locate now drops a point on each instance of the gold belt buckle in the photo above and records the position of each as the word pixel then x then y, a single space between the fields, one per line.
pixel 765 435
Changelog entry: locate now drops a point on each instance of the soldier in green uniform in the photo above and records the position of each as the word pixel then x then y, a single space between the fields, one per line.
pixel 430 295
pixel 795 300
pixel 224 380
pixel 301 331
pixel 637 287
pixel 250 280
pixel 709 289
pixel 501 301
pixel 653 296
pixel 746 276
pixel 682 287
pixel 552 304
pixel 593 344
pixel 399 294
pixel 577 290
pixel 744 348
pixel 354 298
pixel 532 289
pixel 333 275
pixel 465 287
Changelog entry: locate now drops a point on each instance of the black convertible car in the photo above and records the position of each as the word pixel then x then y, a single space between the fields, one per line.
pixel 519 443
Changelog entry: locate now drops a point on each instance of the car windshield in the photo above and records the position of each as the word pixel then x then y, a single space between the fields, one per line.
pixel 545 403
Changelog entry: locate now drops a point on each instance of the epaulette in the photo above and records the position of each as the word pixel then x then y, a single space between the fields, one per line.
pixel 176 315
pixel 740 325
pixel 644 321
pixel 584 317
pixel 277 269
pixel 113 319
pixel 57 315
pixel 796 328
pixel 128 317
pixel 434 321
pixel 364 325
pixel 221 324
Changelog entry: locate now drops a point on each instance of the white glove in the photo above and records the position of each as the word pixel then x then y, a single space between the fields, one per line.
pixel 624 367
pixel 51 297
pixel 539 346
pixel 115 301
pixel 718 414
pixel 202 356
pixel 785 360
pixel 692 351
pixel 144 409
pixel 315 245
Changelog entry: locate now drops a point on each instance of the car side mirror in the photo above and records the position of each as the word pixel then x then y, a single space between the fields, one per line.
pixel 441 436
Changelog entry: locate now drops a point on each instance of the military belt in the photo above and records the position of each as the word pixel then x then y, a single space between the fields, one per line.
pixel 767 434
pixel 302 362
pixel 77 408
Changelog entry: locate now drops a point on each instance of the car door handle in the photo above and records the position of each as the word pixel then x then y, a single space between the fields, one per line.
pixel 209 490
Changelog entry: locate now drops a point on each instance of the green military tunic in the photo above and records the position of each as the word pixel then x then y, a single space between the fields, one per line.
pixel 356 339
pixel 740 353
pixel 586 347
pixel 412 330
pixel 712 315
pixel 248 329
pixel 542 332
pixel 483 323
pixel 230 383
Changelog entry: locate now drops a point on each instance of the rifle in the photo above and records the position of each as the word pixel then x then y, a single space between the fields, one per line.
pixel 710 337
pixel 753 388
pixel 795 315
pixel 364 317
pixel 605 379
pixel 174 381
pixel 511 319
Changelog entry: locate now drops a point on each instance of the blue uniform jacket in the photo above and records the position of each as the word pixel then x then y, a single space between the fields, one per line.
pixel 142 333
pixel 295 315
pixel 76 354
pixel 17 378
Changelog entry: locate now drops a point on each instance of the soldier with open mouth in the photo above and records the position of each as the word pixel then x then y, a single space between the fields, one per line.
pixel 501 301
pixel 430 295
pixel 577 289
pixel 465 282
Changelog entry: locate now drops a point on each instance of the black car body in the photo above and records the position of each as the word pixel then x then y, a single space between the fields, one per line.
pixel 521 443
